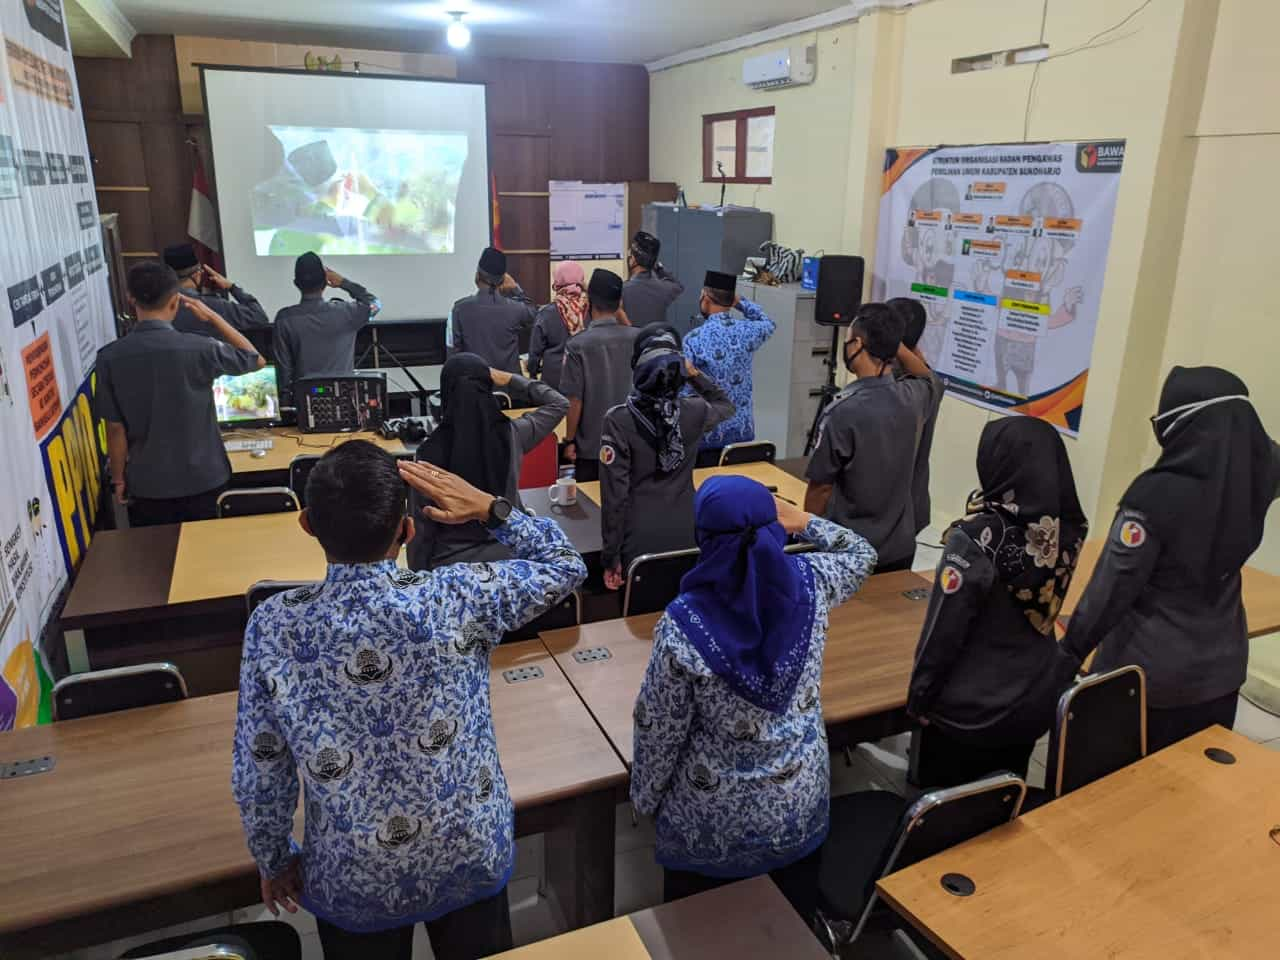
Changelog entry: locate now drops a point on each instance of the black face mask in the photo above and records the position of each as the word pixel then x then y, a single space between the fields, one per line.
pixel 848 360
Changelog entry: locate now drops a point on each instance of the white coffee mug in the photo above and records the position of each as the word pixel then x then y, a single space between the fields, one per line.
pixel 564 492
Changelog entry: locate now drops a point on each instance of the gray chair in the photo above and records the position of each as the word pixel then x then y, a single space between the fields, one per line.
pixel 257 500
pixel 1101 727
pixel 755 451
pixel 566 613
pixel 300 468
pixel 119 688
pixel 871 837
pixel 653 580
pixel 264 589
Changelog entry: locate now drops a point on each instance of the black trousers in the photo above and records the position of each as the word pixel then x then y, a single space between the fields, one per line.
pixel 152 513
pixel 472 932
pixel 1166 727
pixel 586 471
pixel 944 761
pixel 798 882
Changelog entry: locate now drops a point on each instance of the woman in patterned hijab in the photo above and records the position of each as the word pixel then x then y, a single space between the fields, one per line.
pixel 988 668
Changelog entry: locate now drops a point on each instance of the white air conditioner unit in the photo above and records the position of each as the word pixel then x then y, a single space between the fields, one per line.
pixel 786 67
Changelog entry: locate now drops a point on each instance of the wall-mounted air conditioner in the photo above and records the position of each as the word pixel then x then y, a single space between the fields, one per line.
pixel 784 67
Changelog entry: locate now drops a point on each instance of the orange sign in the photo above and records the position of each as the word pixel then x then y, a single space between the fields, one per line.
pixel 42 385
pixel 1027 222
pixel 1055 223
pixel 1023 275
pixel 988 189
pixel 967 219
pixel 37 75
pixel 928 216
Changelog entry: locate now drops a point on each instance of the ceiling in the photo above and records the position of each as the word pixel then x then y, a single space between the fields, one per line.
pixel 634 31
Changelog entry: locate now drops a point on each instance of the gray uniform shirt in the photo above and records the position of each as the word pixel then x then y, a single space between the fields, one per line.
pixel 647 296
pixel 490 325
pixel 866 450
pixel 244 312
pixel 158 383
pixel 597 371
pixel 318 336
pixel 546 347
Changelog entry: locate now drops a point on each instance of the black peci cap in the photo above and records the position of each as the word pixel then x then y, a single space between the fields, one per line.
pixel 645 248
pixel 725 283
pixel 181 256
pixel 493 262
pixel 605 286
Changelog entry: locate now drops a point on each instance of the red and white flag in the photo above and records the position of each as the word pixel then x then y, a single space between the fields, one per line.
pixel 202 223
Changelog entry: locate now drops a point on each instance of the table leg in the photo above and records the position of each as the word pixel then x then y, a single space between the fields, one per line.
pixel 77 652
pixel 580 859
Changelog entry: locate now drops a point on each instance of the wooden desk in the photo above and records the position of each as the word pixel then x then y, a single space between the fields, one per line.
pixel 870 649
pixel 517 414
pixel 748 920
pixel 1260 591
pixel 1167 858
pixel 788 486
pixel 291 442
pixel 580 522
pixel 135 827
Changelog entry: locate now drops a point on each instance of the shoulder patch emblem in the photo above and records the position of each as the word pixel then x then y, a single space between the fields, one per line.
pixel 1133 534
pixel 607 454
pixel 950 579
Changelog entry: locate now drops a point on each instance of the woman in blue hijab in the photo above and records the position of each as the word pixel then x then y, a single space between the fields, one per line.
pixel 730 747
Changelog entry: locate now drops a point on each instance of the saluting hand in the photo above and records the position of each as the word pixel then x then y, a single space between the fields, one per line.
pixel 200 309
pixel 456 501
pixel 333 278
pixel 792 518
pixel 215 278
pixel 500 378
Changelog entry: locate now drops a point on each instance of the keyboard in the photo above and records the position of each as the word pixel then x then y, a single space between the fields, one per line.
pixel 245 446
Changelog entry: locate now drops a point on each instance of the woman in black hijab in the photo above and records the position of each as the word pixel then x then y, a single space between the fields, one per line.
pixel 476 441
pixel 1166 592
pixel 988 670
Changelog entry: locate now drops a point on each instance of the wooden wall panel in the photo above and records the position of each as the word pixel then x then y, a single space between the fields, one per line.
pixel 137 235
pixel 118 157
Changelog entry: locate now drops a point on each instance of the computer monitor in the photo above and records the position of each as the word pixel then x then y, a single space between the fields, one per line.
pixel 247 400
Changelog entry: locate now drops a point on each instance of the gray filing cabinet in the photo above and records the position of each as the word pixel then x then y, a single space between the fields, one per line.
pixel 695 241
pixel 790 369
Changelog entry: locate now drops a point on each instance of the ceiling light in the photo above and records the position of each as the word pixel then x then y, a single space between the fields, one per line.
pixel 458 34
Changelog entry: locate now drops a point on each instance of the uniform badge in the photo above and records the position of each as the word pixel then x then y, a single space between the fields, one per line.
pixel 1133 534
pixel 607 454
pixel 951 579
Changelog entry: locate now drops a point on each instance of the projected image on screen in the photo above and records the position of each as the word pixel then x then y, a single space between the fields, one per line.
pixel 354 192
pixel 251 396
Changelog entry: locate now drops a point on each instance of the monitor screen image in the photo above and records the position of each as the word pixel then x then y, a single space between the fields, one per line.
pixel 246 398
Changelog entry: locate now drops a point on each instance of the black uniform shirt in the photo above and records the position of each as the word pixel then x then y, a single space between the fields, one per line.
pixel 158 383
pixel 490 325
pixel 597 371
pixel 244 313
pixel 318 336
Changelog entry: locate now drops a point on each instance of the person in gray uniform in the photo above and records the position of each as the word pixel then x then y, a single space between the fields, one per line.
pixel 861 471
pixel 914 318
pixel 565 317
pixel 597 372
pixel 1165 594
pixel 242 310
pixel 477 442
pixel 491 322
pixel 648 450
pixel 650 291
pixel 317 337
pixel 155 392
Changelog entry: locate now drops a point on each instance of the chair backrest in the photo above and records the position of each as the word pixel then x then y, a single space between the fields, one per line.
pixel 264 589
pixel 757 451
pixel 504 399
pixel 209 951
pixel 801 547
pixel 653 580
pixel 255 500
pixel 120 688
pixel 566 613
pixel 1101 726
pixel 299 470
pixel 541 465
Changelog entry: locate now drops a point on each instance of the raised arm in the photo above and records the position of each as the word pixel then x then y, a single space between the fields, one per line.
pixel 719 406
pixel 842 562
pixel 762 327
pixel 234 354
pixel 662 716
pixel 245 313
pixel 367 304
pixel 549 407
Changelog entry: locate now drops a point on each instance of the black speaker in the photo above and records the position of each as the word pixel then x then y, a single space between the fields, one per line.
pixel 839 290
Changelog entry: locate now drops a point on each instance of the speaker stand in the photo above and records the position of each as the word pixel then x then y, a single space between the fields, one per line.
pixel 828 392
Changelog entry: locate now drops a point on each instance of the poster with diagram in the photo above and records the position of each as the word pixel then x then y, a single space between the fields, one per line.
pixel 587 220
pixel 1006 246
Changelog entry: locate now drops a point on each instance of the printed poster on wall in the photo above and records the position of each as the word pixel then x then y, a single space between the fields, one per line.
pixel 587 220
pixel 1006 247
pixel 56 314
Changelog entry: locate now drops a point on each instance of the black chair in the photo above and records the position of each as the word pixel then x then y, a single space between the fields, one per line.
pixel 756 451
pixel 300 468
pixel 257 500
pixel 1101 727
pixel 871 836
pixel 264 589
pixel 566 613
pixel 270 940
pixel 653 580
pixel 120 688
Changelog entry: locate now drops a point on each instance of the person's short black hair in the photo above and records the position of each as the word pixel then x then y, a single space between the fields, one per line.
pixel 721 298
pixel 914 318
pixel 880 328
pixel 151 284
pixel 355 502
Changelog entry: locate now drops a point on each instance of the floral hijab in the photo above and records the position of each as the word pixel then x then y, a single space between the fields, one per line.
pixel 1027 516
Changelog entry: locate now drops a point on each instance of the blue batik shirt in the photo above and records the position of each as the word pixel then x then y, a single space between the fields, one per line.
pixel 723 348
pixel 736 790
pixel 373 689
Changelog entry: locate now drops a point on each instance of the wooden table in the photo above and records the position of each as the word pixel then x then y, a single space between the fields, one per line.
pixel 870 649
pixel 748 920
pixel 517 414
pixel 789 486
pixel 1168 858
pixel 135 827
pixel 1260 591
pixel 290 442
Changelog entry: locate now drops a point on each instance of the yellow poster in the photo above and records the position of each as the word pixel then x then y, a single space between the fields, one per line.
pixel 21 676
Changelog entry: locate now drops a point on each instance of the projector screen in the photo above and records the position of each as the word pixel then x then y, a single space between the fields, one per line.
pixel 386 178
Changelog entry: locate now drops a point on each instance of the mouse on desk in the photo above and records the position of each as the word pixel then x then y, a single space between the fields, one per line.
pixel 258 454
